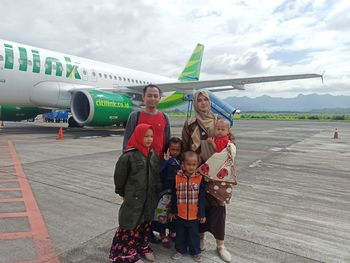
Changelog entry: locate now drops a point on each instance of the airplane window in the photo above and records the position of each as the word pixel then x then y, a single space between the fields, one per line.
pixel 124 79
pixel 137 81
pixel 120 78
pixel 132 80
pixel 20 61
pixel 115 77
pixel 54 66
pixel 105 76
pixel 1 58
pixel 84 72
pixel 94 74
pixel 29 62
pixel 37 64
pixel 110 76
pixel 100 74
pixel 10 60
pixel 128 80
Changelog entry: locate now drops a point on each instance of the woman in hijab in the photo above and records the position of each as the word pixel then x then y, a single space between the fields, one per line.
pixel 137 181
pixel 195 134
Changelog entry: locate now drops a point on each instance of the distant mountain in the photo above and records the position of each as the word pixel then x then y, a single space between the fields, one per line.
pixel 301 103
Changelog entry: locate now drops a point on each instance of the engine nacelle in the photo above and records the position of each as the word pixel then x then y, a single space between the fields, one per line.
pixel 100 108
pixel 16 113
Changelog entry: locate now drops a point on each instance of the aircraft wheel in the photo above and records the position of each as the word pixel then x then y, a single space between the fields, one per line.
pixel 72 123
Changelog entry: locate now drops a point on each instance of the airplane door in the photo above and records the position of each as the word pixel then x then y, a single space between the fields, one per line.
pixel 2 58
pixel 85 74
pixel 93 75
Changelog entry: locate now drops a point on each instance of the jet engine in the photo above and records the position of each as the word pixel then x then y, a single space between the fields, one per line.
pixel 100 108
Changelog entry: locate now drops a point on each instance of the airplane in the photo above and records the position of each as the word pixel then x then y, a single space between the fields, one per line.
pixel 35 80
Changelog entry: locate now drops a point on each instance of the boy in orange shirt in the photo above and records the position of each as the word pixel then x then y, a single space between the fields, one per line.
pixel 188 207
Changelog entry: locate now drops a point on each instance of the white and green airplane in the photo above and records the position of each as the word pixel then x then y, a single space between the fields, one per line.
pixel 35 80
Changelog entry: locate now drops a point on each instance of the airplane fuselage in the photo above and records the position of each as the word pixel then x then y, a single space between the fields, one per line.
pixel 32 76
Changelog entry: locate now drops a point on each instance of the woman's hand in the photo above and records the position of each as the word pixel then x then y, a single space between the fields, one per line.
pixel 212 142
pixel 171 217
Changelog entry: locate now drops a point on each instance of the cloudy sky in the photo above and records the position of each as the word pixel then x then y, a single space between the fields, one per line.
pixel 241 38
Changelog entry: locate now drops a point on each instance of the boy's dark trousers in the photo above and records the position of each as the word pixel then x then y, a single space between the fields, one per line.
pixel 187 235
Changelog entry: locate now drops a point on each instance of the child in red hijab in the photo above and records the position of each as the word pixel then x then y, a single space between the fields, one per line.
pixel 137 181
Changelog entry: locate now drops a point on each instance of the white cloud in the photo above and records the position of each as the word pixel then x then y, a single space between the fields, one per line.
pixel 241 38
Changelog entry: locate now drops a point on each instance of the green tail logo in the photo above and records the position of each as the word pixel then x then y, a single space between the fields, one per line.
pixel 190 73
pixel 193 66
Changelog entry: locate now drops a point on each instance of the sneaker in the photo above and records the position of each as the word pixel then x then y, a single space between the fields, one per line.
pixel 198 257
pixel 176 256
pixel 224 254
pixel 202 244
pixel 149 256
pixel 154 239
pixel 166 242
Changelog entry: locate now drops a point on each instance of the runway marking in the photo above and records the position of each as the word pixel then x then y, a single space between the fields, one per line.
pixel 10 215
pixel 15 235
pixel 255 164
pixel 44 247
pixel 9 189
pixel 8 180
pixel 11 200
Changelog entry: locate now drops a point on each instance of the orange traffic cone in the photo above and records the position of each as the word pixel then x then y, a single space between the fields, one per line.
pixel 336 136
pixel 60 134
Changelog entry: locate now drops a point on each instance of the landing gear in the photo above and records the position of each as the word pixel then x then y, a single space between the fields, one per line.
pixel 73 124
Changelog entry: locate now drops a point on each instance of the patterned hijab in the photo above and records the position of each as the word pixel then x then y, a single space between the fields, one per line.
pixel 136 139
pixel 206 120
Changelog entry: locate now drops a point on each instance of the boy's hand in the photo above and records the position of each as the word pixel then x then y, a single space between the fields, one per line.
pixel 171 217
pixel 202 220
pixel 166 155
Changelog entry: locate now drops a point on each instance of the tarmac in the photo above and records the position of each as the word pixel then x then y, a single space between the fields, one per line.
pixel 291 204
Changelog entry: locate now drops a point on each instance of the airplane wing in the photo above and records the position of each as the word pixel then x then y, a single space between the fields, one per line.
pixel 234 83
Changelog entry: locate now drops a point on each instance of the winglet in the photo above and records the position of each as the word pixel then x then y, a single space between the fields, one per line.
pixel 193 67
pixel 322 77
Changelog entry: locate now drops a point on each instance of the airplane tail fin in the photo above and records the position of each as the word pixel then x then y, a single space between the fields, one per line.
pixel 190 73
pixel 193 67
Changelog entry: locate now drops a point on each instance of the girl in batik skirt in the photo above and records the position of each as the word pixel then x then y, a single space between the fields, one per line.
pixel 137 181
